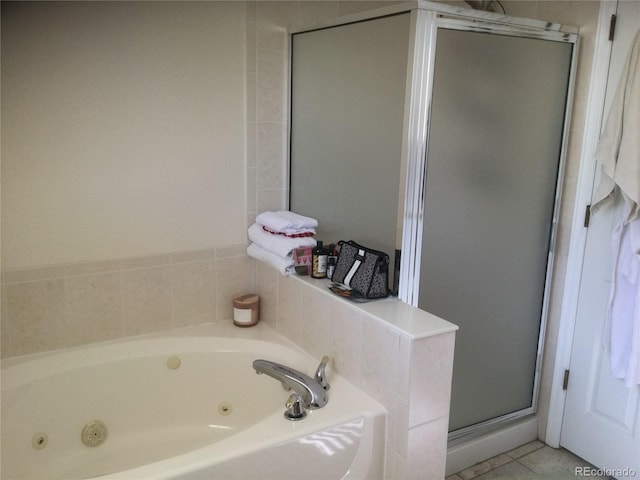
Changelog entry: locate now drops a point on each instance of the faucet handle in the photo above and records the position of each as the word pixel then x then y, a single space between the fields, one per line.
pixel 321 376
pixel 295 408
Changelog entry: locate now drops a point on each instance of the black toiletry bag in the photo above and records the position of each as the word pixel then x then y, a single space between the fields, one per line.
pixel 362 269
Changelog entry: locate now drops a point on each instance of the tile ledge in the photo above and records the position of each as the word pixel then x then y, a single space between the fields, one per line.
pixel 407 320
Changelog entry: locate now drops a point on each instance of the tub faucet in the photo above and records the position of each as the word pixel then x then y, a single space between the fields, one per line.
pixel 312 391
pixel 320 375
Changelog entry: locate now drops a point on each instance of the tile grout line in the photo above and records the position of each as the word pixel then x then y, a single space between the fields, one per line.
pixel 465 474
pixel 516 460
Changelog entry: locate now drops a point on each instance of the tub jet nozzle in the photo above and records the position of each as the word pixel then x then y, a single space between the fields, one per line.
pixel 94 433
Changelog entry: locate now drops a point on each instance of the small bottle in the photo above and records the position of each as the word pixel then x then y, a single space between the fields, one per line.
pixel 319 261
pixel 332 261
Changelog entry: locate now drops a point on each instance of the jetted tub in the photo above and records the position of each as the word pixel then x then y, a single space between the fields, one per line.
pixel 184 406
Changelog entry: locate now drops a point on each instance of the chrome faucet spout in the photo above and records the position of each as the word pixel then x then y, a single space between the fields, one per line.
pixel 312 393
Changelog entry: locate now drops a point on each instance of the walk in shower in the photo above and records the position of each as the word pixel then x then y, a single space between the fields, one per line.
pixel 484 102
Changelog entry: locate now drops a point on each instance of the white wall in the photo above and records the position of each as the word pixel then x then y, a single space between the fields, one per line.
pixel 123 129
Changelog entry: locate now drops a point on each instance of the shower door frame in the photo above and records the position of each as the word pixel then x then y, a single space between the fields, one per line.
pixel 426 21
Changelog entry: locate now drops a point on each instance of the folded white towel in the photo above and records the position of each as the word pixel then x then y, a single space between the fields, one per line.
pixel 278 244
pixel 285 221
pixel 293 232
pixel 283 265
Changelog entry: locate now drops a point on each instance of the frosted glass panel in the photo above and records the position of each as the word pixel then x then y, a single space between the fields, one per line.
pixel 492 166
pixel 347 106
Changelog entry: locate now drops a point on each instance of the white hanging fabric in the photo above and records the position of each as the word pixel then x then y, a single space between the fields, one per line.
pixel 618 155
pixel 622 328
pixel 618 151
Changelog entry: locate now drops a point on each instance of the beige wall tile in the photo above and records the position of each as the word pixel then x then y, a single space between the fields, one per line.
pixel 271 88
pixel 98 301
pixel 345 339
pixel 271 155
pixel 250 37
pixel 314 329
pixel 93 308
pixel 252 195
pixel 396 467
pixel 5 335
pixel 251 99
pixel 348 7
pixel 193 288
pixel 272 199
pixel 146 299
pixel 251 10
pixel 144 261
pixel 193 256
pixel 427 450
pixel 380 348
pixel 234 276
pixel 231 251
pixel 403 380
pixel 251 146
pixel 400 427
pixel 35 312
pixel 272 20
pixel 267 287
pixel 290 308
pixel 430 384
pixel 312 12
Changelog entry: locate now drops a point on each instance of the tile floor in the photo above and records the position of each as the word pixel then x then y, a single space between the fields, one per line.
pixel 532 461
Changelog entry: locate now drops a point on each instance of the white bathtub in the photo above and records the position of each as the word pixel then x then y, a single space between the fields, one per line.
pixel 180 406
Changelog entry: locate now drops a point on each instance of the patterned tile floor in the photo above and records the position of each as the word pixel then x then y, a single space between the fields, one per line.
pixel 532 461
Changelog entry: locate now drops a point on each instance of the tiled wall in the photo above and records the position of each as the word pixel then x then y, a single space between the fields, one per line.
pixel 410 377
pixel 67 305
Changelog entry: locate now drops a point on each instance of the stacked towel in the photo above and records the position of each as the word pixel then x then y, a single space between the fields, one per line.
pixel 275 236
pixel 287 223
pixel 283 265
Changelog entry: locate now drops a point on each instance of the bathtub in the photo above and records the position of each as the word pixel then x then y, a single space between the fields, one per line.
pixel 180 405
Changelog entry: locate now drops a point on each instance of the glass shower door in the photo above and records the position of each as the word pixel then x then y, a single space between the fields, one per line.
pixel 494 150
